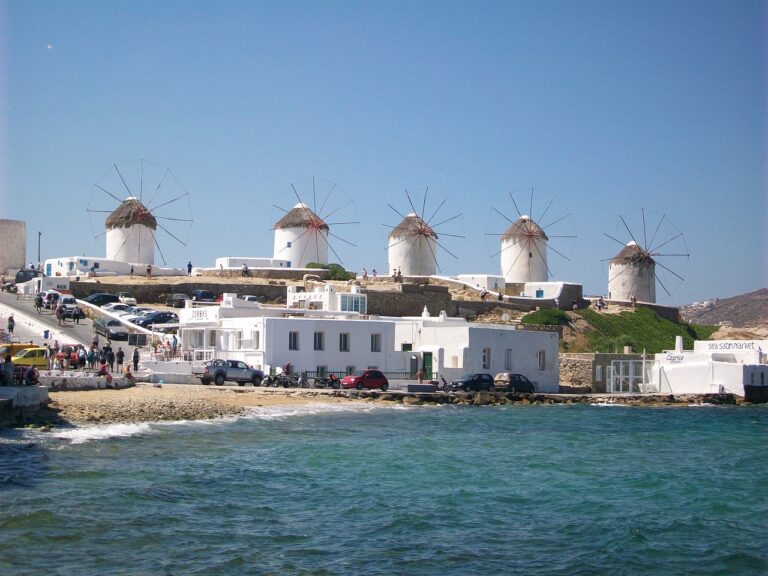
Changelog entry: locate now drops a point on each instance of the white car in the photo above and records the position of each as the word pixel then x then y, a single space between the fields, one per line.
pixel 137 313
pixel 117 307
pixel 126 298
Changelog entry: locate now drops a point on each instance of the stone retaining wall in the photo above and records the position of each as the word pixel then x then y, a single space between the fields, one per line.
pixel 576 371
pixel 156 293
pixel 61 383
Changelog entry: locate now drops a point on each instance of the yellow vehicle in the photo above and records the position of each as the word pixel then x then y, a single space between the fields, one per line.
pixel 34 356
pixel 12 349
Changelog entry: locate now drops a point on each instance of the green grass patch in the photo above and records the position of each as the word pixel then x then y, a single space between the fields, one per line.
pixel 547 317
pixel 642 329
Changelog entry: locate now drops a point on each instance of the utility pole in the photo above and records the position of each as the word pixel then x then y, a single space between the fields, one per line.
pixel 39 262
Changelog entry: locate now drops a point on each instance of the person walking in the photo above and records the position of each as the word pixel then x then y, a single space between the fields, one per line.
pixel 11 324
pixel 6 371
pixel 189 268
pixel 149 271
pixel 119 357
pixel 59 314
pixel 111 360
pixel 136 359
pixel 131 273
pixel 91 359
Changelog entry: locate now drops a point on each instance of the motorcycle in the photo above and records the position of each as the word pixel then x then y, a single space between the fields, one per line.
pixel 326 383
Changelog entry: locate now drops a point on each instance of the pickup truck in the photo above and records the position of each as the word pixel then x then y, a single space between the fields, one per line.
pixel 219 371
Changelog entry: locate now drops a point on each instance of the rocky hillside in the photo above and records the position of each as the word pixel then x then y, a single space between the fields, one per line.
pixel 744 311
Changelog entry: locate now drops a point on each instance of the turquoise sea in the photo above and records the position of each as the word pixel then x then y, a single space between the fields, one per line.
pixel 361 489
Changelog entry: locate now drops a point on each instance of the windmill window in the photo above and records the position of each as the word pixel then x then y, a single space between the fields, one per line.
pixel 288 244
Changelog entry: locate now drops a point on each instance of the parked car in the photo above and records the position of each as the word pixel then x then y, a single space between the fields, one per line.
pixel 110 328
pixel 514 383
pixel 203 296
pixel 219 371
pixel 12 349
pixel 137 313
pixel 470 382
pixel 50 299
pixel 126 298
pixel 156 319
pixel 366 379
pixel 177 300
pixel 34 356
pixel 249 298
pixel 69 307
pixel 116 307
pixel 101 298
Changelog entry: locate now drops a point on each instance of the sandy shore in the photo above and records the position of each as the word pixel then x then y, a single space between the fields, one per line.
pixel 147 403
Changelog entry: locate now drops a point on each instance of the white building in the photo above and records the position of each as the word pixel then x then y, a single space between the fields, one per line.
pixel 712 367
pixel 491 282
pixel 323 331
pixel 83 266
pixel 236 262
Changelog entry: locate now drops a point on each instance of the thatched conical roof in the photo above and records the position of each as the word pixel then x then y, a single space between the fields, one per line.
pixel 131 212
pixel 412 224
pixel 301 216
pixel 524 227
pixel 632 254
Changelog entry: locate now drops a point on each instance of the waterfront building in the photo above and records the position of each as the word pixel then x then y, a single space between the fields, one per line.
pixel 328 331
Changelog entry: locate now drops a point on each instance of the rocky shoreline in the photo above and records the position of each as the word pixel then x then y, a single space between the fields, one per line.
pixel 154 403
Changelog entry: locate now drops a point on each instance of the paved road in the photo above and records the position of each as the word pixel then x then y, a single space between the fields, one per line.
pixel 30 324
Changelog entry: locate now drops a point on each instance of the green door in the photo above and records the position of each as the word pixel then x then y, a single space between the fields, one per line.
pixel 427 365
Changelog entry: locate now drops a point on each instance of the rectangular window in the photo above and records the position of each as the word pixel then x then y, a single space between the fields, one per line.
pixel 319 340
pixel 350 370
pixel 344 342
pixel 293 340
pixel 406 347
pixel 598 373
pixel 255 336
pixel 375 342
pixel 508 360
pixel 237 340
pixel 486 358
pixel 542 360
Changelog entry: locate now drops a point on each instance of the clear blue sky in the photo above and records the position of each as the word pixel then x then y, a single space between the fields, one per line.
pixel 609 107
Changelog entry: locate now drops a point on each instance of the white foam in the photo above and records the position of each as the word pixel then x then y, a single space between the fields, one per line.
pixel 93 433
pixel 309 409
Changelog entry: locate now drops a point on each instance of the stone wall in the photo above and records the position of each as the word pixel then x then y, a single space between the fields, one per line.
pixel 576 371
pixel 409 301
pixel 270 273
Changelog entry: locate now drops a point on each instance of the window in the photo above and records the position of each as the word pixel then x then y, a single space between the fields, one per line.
pixel 237 340
pixel 255 335
pixel 542 359
pixel 288 244
pixel 486 358
pixel 508 359
pixel 319 340
pixel 321 371
pixel 293 340
pixel 375 342
pixel 353 303
pixel 406 347
pixel 598 373
pixel 350 370
pixel 344 342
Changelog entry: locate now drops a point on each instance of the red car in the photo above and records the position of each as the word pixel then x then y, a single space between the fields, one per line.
pixel 366 379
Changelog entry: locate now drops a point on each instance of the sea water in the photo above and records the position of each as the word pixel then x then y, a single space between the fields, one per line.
pixel 361 489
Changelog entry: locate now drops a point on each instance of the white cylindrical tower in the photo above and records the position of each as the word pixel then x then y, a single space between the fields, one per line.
pixel 632 273
pixel 412 247
pixel 524 252
pixel 13 240
pixel 131 233
pixel 301 237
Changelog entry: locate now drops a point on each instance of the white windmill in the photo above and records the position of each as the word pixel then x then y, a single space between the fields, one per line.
pixel 413 244
pixel 156 208
pixel 632 273
pixel 303 233
pixel 525 243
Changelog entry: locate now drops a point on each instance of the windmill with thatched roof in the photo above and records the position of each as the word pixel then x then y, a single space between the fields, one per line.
pixel 301 237
pixel 131 233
